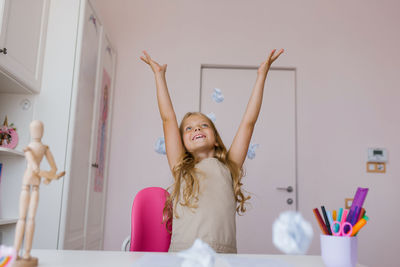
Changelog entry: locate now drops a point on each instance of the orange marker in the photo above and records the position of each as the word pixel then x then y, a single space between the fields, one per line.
pixel 334 215
pixel 362 213
pixel 359 225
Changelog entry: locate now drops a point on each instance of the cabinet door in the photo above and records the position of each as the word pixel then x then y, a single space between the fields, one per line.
pixel 82 133
pixel 23 36
pixel 100 150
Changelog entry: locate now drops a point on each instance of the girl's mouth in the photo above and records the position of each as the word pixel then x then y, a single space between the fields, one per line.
pixel 198 136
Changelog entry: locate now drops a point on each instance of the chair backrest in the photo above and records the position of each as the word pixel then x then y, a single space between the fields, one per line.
pixel 148 233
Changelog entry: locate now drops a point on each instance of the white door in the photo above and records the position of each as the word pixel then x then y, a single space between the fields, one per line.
pixel 80 163
pixel 274 164
pixel 94 226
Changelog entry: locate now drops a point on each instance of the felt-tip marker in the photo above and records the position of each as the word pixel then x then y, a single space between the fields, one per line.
pixel 328 226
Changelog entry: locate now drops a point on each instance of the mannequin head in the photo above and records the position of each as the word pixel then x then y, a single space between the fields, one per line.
pixel 36 129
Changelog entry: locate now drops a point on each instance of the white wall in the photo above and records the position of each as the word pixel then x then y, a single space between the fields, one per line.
pixel 347 60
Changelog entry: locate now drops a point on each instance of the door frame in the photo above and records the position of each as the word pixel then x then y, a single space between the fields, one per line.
pixel 244 67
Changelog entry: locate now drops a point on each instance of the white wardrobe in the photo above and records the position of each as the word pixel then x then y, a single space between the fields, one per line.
pixel 75 102
pixel 87 155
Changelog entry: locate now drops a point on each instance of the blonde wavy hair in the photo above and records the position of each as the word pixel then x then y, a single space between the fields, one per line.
pixel 184 174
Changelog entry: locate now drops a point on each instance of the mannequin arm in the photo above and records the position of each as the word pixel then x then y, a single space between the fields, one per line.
pixel 50 175
pixel 52 162
pixel 31 160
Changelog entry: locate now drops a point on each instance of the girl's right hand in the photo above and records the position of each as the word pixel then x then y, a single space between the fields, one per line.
pixel 266 65
pixel 157 68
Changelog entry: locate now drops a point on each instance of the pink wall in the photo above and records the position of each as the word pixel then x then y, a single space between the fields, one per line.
pixel 347 60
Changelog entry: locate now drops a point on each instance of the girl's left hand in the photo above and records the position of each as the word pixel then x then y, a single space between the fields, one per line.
pixel 264 67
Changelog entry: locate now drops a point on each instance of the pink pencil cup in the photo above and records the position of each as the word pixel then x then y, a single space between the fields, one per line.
pixel 339 250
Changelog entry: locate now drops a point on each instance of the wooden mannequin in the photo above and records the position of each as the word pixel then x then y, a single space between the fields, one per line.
pixel 29 198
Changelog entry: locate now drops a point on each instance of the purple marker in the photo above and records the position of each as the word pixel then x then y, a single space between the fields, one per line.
pixel 356 205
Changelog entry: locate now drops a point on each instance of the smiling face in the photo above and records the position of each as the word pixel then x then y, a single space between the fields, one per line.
pixel 198 135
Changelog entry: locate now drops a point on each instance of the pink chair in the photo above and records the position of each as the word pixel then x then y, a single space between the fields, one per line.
pixel 148 233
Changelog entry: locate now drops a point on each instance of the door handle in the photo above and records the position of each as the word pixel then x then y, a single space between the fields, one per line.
pixel 287 189
pixel 95 165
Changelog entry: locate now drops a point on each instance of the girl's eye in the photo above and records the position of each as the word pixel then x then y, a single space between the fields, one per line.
pixel 204 125
pixel 188 128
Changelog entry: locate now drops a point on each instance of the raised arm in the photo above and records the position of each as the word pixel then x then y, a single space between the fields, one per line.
pixel 238 150
pixel 173 141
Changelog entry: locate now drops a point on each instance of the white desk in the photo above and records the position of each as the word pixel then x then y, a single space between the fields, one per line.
pixel 64 258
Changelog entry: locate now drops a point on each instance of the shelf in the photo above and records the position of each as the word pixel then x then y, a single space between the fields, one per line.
pixel 8 221
pixel 11 152
pixel 11 86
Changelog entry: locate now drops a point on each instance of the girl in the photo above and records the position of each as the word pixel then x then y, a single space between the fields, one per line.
pixel 207 191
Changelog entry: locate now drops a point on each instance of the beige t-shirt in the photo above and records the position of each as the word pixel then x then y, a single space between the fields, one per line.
pixel 214 220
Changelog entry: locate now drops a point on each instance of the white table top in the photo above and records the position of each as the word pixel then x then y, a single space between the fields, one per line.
pixel 64 258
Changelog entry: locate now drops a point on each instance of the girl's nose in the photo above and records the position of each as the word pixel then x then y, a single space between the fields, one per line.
pixel 197 129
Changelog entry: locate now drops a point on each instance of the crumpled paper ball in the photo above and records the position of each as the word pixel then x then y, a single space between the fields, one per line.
pixel 291 233
pixel 7 255
pixel 199 255
pixel 251 152
pixel 217 95
pixel 212 117
pixel 159 146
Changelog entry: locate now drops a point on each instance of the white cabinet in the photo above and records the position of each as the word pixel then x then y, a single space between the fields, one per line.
pixel 77 129
pixel 22 44
pixel 84 215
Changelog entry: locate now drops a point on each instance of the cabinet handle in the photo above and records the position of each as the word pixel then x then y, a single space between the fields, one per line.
pixel 95 165
pixel 4 51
